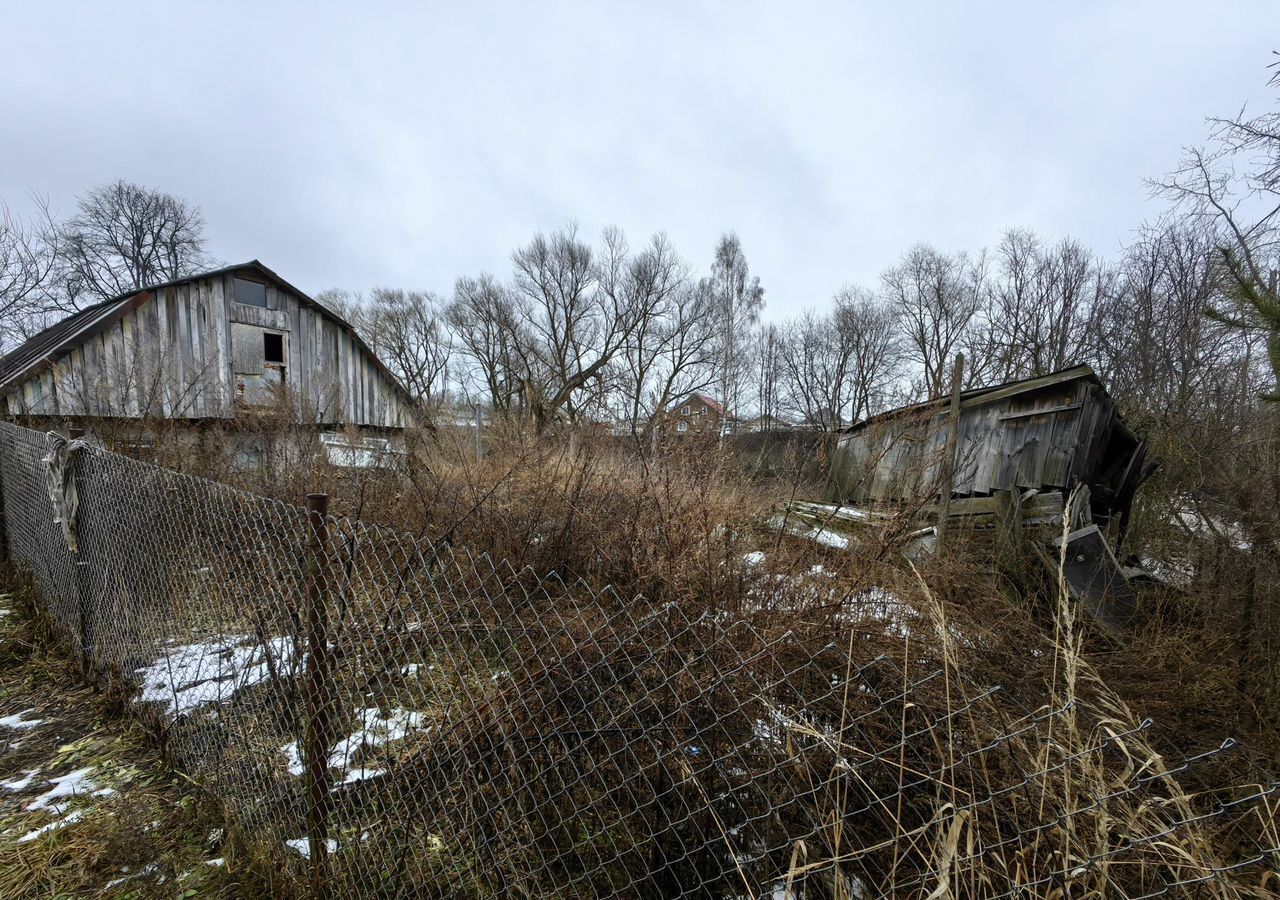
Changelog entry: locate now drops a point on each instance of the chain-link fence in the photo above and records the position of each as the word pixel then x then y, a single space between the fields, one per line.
pixel 379 716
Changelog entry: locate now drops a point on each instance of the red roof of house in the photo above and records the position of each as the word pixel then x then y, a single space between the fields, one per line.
pixel 707 401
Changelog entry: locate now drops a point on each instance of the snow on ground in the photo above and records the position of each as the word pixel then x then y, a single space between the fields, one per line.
pixel 20 784
pixel 145 872
pixel 69 819
pixel 360 773
pixel 18 722
pixel 828 538
pixel 303 846
pixel 65 787
pixel 373 730
pixel 188 676
pixel 1201 525
pixel 1174 571
pixel 294 758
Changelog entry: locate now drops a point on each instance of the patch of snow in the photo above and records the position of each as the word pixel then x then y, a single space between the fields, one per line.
pixel 754 558
pixel 293 757
pixel 1201 525
pixel 1178 573
pixel 189 676
pixel 360 773
pixel 829 538
pixel 374 730
pixel 215 862
pixel 64 786
pixel 411 670
pixel 146 870
pixel 303 846
pixel 69 819
pixel 17 722
pixel 19 784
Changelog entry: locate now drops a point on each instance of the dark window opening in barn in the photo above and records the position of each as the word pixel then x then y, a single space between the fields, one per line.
pixel 250 293
pixel 272 347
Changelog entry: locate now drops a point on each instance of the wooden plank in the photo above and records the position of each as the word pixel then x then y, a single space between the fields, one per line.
pixel 246 349
pixel 256 315
pixel 297 371
pixel 1048 411
pixel 949 461
pixel 1028 386
pixel 1094 577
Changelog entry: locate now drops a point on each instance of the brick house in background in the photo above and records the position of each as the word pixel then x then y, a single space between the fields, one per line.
pixel 695 413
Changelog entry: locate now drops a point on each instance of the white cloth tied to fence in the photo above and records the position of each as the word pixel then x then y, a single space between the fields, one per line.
pixel 59 464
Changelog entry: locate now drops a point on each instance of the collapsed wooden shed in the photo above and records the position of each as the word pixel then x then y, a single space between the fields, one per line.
pixel 1047 434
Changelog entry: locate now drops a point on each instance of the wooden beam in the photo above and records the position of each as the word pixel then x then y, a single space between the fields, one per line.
pixel 949 463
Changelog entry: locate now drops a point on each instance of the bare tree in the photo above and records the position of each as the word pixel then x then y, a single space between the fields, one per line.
pixel 1151 340
pixel 815 362
pixel 580 310
pixel 125 236
pixel 1235 185
pixel 487 325
pixel 1039 306
pixel 406 330
pixel 566 316
pixel 347 305
pixel 936 297
pixel 838 366
pixel 870 329
pixel 770 368
pixel 28 255
pixel 669 352
pixel 738 300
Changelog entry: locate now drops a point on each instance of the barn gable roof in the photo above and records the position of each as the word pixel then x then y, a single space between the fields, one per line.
pixel 63 336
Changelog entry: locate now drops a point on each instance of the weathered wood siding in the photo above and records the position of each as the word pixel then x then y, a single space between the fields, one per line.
pixel 1045 438
pixel 177 355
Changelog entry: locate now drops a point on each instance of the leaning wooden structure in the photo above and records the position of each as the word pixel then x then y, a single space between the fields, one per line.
pixel 1048 434
pixel 1013 455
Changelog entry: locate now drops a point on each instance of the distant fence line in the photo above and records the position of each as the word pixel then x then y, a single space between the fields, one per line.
pixel 382 717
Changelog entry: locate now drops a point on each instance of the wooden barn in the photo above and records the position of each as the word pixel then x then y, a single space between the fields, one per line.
pixel 1046 434
pixel 217 346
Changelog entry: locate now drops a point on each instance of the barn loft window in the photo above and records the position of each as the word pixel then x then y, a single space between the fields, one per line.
pixel 684 411
pixel 250 293
pixel 272 347
pixel 683 426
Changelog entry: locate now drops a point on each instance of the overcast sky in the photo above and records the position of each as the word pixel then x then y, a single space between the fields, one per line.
pixel 403 145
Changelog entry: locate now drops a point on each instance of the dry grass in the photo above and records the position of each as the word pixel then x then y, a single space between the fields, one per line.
pixel 147 838
pixel 875 773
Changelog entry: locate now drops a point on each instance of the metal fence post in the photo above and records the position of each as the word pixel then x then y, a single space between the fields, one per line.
pixel 83 586
pixel 4 521
pixel 318 695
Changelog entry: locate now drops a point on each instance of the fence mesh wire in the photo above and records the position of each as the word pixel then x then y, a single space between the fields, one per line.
pixel 384 717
